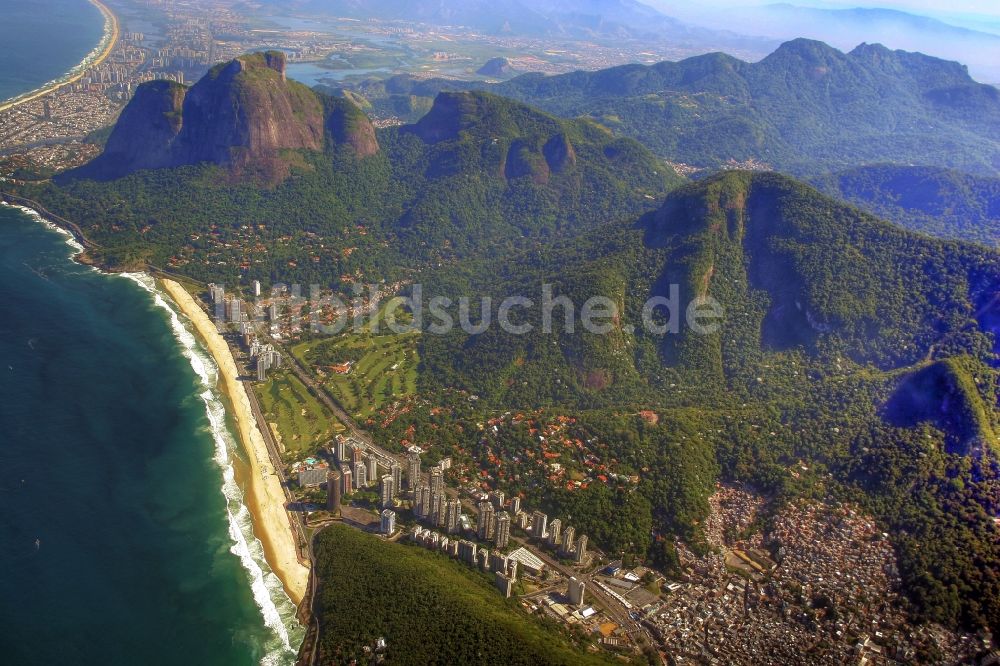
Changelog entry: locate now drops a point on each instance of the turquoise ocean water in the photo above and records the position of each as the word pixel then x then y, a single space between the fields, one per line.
pixel 123 537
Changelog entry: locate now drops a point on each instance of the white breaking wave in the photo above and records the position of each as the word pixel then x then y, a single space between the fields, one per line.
pixel 35 215
pixel 277 609
pixel 79 68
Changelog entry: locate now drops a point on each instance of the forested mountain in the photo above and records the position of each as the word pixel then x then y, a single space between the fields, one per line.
pixel 479 175
pixel 848 347
pixel 243 114
pixel 796 273
pixel 468 620
pixel 805 109
pixel 845 27
pixel 936 201
pixel 852 358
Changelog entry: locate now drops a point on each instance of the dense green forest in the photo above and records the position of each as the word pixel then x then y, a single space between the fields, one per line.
pixel 429 608
pixel 844 339
pixel 483 179
pixel 848 347
pixel 800 277
pixel 805 109
pixel 932 200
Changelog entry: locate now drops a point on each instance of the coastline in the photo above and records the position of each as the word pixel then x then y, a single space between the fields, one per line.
pixel 264 495
pixel 106 45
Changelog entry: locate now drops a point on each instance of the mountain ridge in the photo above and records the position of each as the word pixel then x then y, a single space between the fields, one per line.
pixel 933 200
pixel 564 19
pixel 805 108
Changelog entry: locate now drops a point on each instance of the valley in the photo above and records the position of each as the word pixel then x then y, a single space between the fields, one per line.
pixel 814 477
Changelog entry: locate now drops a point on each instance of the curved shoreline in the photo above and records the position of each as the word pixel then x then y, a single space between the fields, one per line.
pixel 270 526
pixel 106 46
pixel 264 495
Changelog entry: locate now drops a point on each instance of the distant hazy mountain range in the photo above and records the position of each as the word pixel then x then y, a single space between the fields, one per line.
pixel 846 28
pixel 558 18
pixel 806 109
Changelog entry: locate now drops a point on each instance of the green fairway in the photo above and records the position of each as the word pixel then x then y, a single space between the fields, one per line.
pixel 296 418
pixel 382 367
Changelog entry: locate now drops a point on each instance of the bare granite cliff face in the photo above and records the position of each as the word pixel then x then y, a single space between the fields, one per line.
pixel 145 133
pixel 244 115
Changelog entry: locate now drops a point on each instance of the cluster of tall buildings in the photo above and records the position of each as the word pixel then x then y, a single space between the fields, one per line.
pixel 503 567
pixel 565 542
pixel 493 525
pixel 265 357
pixel 229 308
pixel 359 469
pixel 430 501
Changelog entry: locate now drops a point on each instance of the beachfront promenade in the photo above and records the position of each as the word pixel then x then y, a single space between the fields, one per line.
pixel 274 452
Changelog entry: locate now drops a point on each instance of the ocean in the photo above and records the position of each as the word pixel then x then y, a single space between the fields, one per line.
pixel 123 536
pixel 41 40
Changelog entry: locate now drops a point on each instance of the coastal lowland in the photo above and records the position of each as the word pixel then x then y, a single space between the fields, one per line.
pixel 265 495
pixel 96 59
pixel 813 479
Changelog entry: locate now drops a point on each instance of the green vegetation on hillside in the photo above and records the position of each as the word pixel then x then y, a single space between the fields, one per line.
pixel 831 318
pixel 807 108
pixel 795 272
pixel 935 201
pixel 383 368
pixel 421 200
pixel 854 358
pixel 429 608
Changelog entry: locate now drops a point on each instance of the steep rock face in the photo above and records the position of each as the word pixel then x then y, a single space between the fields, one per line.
pixel 246 110
pixel 801 270
pixel 145 133
pixel 451 113
pixel 559 153
pixel 943 394
pixel 524 160
pixel 523 141
pixel 349 126
pixel 244 115
pixel 497 68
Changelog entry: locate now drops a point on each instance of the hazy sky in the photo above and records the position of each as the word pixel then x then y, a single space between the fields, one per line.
pixel 933 7
pixel 987 7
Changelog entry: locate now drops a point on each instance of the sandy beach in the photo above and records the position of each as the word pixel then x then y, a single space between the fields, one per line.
pixel 264 495
pixel 108 42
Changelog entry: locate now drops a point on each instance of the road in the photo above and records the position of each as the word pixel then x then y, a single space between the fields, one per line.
pixel 614 609
pixel 50 216
pixel 385 458
pixel 274 453
pixel 109 40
